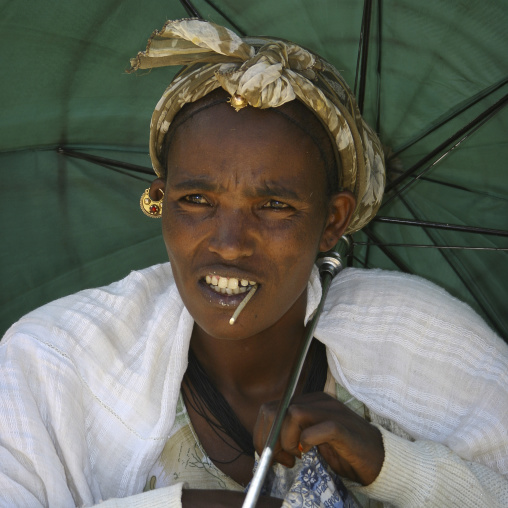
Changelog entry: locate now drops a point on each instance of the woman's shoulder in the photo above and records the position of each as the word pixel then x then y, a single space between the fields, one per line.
pixel 377 284
pixel 390 293
pixel 104 312
pixel 414 354
pixel 104 343
pixel 401 309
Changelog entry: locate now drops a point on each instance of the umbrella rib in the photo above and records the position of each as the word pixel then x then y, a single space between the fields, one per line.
pixel 455 270
pixel 103 161
pixel 363 53
pixel 358 55
pixel 427 246
pixel 378 70
pixel 416 178
pixel 441 225
pixel 446 184
pixel 483 94
pixel 117 170
pixel 461 187
pixel 191 10
pixel 390 255
pixel 367 254
pixel 356 258
pixel 226 17
pixel 461 133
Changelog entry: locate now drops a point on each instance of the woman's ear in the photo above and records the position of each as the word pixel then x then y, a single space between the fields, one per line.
pixel 340 211
pixel 157 189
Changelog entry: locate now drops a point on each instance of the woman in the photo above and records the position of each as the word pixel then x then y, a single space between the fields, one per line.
pixel 263 162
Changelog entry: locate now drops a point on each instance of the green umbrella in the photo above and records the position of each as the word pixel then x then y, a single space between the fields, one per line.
pixel 430 77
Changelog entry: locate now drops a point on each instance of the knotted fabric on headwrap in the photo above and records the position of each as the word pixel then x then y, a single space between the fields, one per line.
pixel 266 73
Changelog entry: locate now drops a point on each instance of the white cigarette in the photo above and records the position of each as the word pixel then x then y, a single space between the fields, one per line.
pixel 243 303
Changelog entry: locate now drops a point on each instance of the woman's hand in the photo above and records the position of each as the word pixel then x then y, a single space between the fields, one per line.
pixel 351 446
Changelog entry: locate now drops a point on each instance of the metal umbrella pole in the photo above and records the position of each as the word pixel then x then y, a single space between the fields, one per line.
pixel 329 264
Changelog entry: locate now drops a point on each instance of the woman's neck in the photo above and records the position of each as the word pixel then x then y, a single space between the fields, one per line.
pixel 255 367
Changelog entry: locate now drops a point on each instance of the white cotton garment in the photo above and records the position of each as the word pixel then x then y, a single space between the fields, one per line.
pixel 416 356
pixel 89 385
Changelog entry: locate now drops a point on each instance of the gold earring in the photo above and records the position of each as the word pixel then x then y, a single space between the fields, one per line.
pixel 150 207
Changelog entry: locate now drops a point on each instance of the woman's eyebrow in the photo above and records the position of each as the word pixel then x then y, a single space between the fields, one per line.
pixel 196 184
pixel 266 190
pixel 269 190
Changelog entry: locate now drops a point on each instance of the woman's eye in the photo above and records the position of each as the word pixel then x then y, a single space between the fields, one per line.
pixel 196 199
pixel 275 204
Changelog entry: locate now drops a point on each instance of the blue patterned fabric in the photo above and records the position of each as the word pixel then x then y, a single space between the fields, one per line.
pixel 310 484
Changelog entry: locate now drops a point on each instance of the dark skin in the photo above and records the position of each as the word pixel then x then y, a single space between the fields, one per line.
pixel 248 200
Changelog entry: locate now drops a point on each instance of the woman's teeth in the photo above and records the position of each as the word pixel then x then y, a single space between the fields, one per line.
pixel 229 285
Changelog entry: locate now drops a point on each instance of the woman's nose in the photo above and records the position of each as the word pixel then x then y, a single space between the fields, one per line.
pixel 232 236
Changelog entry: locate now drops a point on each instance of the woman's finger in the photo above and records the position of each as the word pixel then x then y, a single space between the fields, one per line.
pixel 262 429
pixel 305 411
pixel 298 417
pixel 358 455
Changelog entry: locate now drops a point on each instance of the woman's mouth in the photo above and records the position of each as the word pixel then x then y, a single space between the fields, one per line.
pixel 233 291
pixel 229 285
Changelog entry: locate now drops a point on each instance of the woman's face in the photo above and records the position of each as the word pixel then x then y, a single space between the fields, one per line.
pixel 245 198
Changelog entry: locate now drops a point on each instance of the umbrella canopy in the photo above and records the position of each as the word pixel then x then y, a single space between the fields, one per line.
pixel 431 79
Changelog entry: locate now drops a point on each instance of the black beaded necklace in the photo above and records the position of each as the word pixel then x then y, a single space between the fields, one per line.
pixel 205 399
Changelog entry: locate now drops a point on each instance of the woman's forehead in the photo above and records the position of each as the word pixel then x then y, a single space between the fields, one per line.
pixel 220 132
pixel 293 112
pixel 220 120
pixel 213 121
pixel 219 147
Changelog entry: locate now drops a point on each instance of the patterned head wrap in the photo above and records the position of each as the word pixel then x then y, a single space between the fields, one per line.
pixel 265 73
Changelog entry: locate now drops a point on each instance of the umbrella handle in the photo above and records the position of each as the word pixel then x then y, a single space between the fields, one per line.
pixel 329 264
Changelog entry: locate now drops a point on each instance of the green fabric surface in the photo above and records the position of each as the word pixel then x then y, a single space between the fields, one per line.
pixel 68 224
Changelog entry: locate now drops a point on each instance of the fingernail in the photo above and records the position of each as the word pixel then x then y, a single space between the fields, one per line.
pixel 300 447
